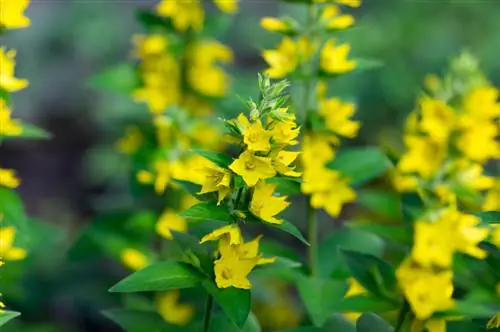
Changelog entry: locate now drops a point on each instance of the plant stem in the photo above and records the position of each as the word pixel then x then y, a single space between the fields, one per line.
pixel 312 226
pixel 208 313
pixel 402 316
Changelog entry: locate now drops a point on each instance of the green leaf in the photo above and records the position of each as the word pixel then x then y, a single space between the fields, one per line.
pixel 361 164
pixel 150 20
pixel 285 185
pixel 373 273
pixel 491 217
pixel 364 303
pixel 221 323
pixel 329 259
pixel 139 321
pixel 6 316
pixel 412 207
pixel 363 64
pixel 234 302
pixel 12 208
pixel 220 159
pixel 208 211
pixel 380 201
pixel 370 322
pixel 389 232
pixel 159 277
pixel 31 132
pixel 291 229
pixel 320 295
pixel 122 78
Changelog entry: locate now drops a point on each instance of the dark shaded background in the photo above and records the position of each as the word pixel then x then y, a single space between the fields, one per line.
pixel 68 179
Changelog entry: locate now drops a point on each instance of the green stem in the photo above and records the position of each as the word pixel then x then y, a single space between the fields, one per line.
pixel 402 316
pixel 208 313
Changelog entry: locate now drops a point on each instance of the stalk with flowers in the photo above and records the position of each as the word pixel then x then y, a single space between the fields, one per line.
pixel 12 218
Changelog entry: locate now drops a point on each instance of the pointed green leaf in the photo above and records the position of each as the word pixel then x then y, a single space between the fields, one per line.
pixel 370 322
pixel 7 316
pixel 139 321
pixel 159 277
pixel 361 164
pixel 285 185
pixel 234 302
pixel 291 229
pixel 491 217
pixel 208 211
pixel 320 295
pixel 220 159
pixel 12 209
pixel 221 323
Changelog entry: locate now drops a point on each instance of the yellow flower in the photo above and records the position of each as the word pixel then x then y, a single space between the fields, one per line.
pixel 247 250
pixel 184 14
pixel 7 249
pixel 333 58
pixel 492 199
pixel 227 6
pixel 8 82
pixel 284 133
pixel 256 137
pixel 423 157
pixel 231 232
pixel 216 179
pixel 273 24
pixel 479 141
pixel 8 178
pixel 252 168
pixel 12 14
pixel 134 259
pixel 203 73
pixel 334 19
pixel 482 103
pixel 161 178
pixel 170 221
pixel 438 119
pixel 350 3
pixel 232 271
pixel 286 58
pixel 355 288
pixel 404 183
pixel 426 290
pixel 316 150
pixel 150 45
pixel 494 322
pixel 173 312
pixel 431 325
pixel 495 235
pixel 131 141
pixel 8 126
pixel 266 206
pixel 472 176
pixel 282 161
pixel 337 117
pixel 432 244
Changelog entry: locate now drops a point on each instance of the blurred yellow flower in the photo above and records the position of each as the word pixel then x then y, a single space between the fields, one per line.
pixel 8 178
pixel 216 179
pixel 131 141
pixel 8 82
pixel 432 244
pixel 287 57
pixel 134 259
pixel 333 58
pixel 170 221
pixel 12 14
pixel 316 150
pixel 492 199
pixel 273 24
pixel 227 6
pixel 173 312
pixel 265 205
pixel 479 141
pixel 149 45
pixel 495 235
pixel 423 157
pixel 334 19
pixel 355 288
pixel 8 126
pixel 252 168
pixel 438 119
pixel 482 102
pixel 7 249
pixel 337 115
pixel 184 14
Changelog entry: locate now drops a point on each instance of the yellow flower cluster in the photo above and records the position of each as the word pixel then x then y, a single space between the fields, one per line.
pixel 328 188
pixel 11 17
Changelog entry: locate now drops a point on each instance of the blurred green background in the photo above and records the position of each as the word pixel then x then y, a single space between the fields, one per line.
pixel 69 179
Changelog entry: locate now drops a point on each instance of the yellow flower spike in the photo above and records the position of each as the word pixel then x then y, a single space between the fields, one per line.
pixel 423 157
pixel 438 119
pixel 134 259
pixel 494 322
pixel 333 58
pixel 8 178
pixel 173 312
pixel 227 6
pixel 170 221
pixel 426 290
pixel 265 205
pixel 7 249
pixel 232 232
pixel 334 19
pixel 432 244
pixel 216 179
pixel 12 14
pixel 8 82
pixel 282 161
pixel 184 14
pixel 252 168
pixel 274 24
pixel 256 137
pixel 337 116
